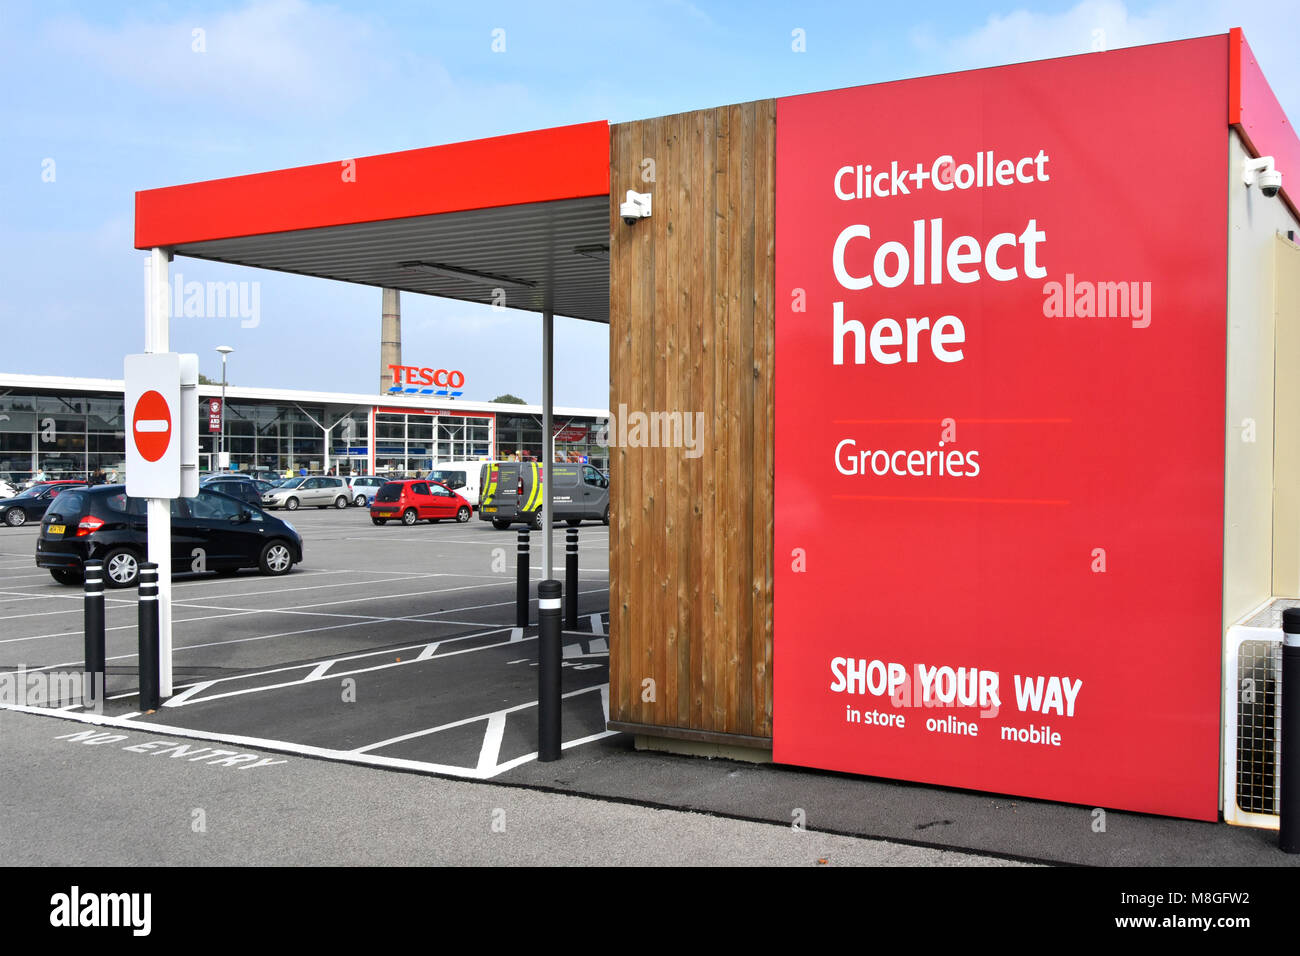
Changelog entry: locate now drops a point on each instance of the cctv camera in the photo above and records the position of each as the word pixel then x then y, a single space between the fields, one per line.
pixel 1262 171
pixel 1270 181
pixel 636 207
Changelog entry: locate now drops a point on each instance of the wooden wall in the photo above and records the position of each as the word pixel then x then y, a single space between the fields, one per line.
pixel 691 330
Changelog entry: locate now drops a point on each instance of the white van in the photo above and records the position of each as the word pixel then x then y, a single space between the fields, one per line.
pixel 461 477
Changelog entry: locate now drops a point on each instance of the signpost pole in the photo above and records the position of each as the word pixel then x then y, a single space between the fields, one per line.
pixel 158 510
pixel 548 439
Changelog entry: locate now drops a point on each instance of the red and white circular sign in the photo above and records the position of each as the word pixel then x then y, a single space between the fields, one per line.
pixel 151 426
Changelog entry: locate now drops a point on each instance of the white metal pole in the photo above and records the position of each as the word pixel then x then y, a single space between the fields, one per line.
pixel 548 439
pixel 158 510
pixel 221 433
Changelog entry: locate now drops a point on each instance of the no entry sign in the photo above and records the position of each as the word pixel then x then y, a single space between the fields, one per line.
pixel 153 402
pixel 151 425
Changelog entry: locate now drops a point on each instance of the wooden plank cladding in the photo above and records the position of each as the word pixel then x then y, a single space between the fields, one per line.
pixel 691 333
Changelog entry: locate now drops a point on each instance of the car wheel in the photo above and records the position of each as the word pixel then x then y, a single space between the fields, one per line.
pixel 15 517
pixel 292 504
pixel 65 576
pixel 359 501
pixel 605 519
pixel 409 517
pixel 535 522
pixel 462 514
pixel 573 522
pixel 341 502
pixel 379 521
pixel 276 558
pixel 499 524
pixel 121 568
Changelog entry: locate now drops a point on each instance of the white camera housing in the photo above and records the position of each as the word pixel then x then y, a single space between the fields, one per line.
pixel 637 206
pixel 1262 172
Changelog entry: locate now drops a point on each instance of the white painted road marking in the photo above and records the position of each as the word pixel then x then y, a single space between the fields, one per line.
pixel 170 748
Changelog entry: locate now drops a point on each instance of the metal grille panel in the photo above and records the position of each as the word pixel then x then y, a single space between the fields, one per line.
pixel 1259 687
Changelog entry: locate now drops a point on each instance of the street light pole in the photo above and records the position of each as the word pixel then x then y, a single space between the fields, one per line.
pixel 221 432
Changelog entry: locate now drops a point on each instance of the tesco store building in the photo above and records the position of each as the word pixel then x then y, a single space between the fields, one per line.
pixel 999 471
pixel 72 427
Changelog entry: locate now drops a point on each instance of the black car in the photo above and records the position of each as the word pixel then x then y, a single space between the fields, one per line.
pixel 210 532
pixel 30 505
pixel 237 486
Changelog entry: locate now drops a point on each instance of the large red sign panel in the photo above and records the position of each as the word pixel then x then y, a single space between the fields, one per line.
pixel 1000 428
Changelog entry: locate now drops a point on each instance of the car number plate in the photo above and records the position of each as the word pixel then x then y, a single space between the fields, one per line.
pixel 490 508
pixel 57 529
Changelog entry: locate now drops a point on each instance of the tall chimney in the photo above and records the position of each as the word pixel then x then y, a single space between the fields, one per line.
pixel 390 338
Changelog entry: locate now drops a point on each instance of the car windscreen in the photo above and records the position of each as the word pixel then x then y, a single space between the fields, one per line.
pixel 291 483
pixel 452 479
pixel 390 492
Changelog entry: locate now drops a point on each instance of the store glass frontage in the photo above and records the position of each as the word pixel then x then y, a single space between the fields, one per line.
pixel 77 436
pixel 576 439
pixel 60 436
pixel 411 442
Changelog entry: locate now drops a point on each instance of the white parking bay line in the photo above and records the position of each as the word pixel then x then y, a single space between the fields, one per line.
pixel 597 625
pixel 185 695
pixel 490 752
pixel 470 720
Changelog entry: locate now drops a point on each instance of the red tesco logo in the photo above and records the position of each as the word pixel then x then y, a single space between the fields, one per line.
pixel 413 375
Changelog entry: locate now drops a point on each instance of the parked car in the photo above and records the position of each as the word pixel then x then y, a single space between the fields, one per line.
pixel 461 477
pixel 237 486
pixel 415 500
pixel 104 523
pixel 30 505
pixel 512 492
pixel 364 487
pixel 322 492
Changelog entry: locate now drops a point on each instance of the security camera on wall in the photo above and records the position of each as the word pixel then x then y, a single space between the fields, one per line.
pixel 637 206
pixel 1261 171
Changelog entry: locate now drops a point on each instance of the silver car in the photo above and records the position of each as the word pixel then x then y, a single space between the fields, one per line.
pixel 364 487
pixel 320 492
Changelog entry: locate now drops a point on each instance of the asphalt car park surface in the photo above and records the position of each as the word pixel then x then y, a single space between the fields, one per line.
pixel 389 645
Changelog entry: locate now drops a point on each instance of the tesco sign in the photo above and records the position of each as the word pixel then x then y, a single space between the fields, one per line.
pixel 414 380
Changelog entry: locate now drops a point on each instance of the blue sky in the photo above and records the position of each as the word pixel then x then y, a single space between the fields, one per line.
pixel 115 95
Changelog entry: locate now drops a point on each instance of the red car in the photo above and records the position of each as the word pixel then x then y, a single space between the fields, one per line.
pixel 31 504
pixel 417 500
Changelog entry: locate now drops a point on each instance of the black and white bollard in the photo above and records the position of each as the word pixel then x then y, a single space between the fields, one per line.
pixel 93 584
pixel 571 579
pixel 1288 836
pixel 148 622
pixel 521 580
pixel 548 671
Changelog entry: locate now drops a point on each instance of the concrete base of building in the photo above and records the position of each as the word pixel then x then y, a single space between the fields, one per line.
pixel 699 748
